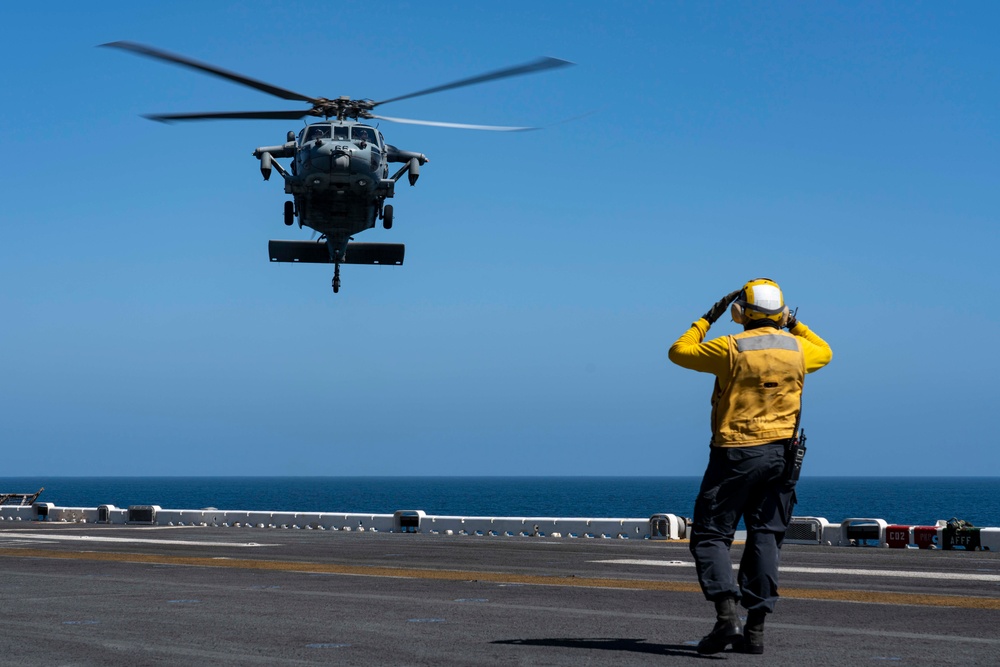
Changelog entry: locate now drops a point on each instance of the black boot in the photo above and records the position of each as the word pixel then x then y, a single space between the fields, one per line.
pixel 753 632
pixel 727 628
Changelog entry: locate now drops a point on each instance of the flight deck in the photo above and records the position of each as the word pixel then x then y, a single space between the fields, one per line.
pixel 93 594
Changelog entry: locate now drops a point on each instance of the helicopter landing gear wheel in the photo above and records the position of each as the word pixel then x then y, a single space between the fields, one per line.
pixel 336 279
pixel 387 216
pixel 289 213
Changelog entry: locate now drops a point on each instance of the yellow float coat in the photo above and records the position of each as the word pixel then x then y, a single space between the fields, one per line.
pixel 758 379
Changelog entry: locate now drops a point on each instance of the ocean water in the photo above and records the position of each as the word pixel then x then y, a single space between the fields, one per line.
pixel 904 500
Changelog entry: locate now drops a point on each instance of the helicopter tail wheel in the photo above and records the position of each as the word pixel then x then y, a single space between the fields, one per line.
pixel 387 216
pixel 336 278
pixel 289 213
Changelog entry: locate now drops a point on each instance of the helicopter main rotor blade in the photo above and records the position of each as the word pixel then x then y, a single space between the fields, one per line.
pixel 528 68
pixel 230 115
pixel 211 69
pixel 460 126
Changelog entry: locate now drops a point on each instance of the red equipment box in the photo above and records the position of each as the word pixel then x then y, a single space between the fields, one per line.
pixel 926 537
pixel 897 537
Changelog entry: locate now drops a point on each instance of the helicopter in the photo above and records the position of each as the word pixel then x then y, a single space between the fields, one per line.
pixel 339 173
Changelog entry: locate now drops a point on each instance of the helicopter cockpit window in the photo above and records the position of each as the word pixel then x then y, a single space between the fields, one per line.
pixel 364 134
pixel 340 132
pixel 315 132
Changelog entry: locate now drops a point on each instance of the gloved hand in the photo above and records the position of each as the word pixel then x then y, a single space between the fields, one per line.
pixel 716 311
pixel 790 324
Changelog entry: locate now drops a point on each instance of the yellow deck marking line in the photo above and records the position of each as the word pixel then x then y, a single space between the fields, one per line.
pixel 868 597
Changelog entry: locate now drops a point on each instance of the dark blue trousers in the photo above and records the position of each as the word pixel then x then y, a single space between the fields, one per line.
pixel 743 482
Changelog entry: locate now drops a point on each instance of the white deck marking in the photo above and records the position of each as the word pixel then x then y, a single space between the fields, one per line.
pixel 959 576
pixel 130 540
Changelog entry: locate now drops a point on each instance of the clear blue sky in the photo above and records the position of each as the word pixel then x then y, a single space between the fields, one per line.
pixel 849 151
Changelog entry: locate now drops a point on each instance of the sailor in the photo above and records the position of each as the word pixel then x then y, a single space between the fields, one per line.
pixel 755 416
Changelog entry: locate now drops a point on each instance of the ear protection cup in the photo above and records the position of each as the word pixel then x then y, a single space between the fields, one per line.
pixel 783 320
pixel 736 312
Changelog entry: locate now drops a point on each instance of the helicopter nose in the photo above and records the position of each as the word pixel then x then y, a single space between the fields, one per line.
pixel 328 158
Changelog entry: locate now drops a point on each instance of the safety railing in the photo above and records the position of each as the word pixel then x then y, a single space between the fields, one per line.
pixel 660 526
pixel 663 526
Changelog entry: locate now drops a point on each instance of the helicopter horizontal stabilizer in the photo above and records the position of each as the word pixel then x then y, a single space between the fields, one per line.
pixel 315 252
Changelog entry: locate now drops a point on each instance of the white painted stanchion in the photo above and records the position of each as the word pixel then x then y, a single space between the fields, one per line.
pixel 810 530
pixel 989 539
pixel 863 532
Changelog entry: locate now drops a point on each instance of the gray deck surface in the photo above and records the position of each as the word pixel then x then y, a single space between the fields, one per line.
pixel 238 596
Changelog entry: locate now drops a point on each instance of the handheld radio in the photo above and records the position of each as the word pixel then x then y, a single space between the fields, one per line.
pixel 794 456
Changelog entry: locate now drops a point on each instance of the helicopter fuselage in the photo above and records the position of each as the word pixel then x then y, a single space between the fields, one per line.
pixel 339 178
